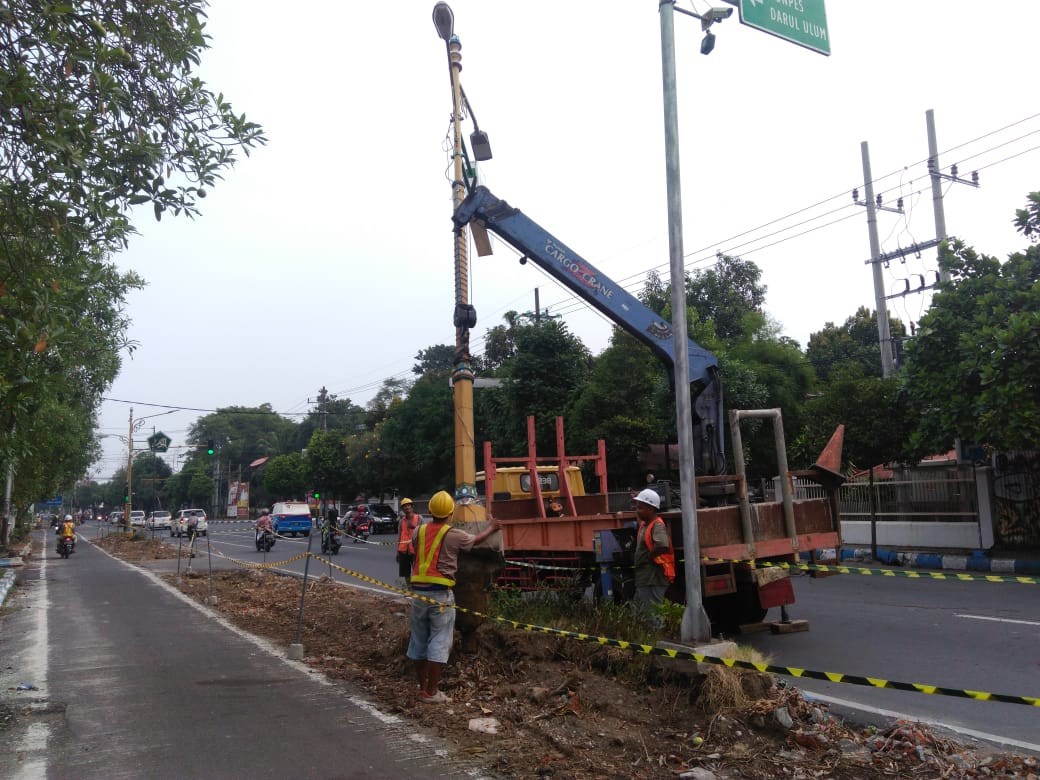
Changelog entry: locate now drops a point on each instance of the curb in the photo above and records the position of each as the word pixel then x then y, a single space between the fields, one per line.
pixel 978 560
pixel 6 583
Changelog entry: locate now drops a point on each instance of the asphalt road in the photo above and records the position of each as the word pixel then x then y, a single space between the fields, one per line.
pixel 979 636
pixel 131 679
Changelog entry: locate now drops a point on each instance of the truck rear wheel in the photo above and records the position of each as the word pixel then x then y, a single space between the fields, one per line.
pixel 731 611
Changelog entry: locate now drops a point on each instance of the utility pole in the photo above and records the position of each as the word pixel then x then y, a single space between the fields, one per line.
pixel 937 177
pixel 884 331
pixel 873 204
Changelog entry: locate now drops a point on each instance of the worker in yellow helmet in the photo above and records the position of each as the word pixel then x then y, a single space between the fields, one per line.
pixel 437 546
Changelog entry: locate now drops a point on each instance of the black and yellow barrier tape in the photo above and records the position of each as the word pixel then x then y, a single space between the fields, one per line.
pixel 266 565
pixel 912 574
pixel 641 649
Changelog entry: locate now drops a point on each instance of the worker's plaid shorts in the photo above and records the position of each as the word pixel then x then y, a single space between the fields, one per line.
pixel 433 626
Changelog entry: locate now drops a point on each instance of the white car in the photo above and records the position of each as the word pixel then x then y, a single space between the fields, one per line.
pixel 137 518
pixel 159 519
pixel 189 519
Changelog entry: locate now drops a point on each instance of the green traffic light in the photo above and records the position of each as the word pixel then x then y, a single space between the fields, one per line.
pixel 209 447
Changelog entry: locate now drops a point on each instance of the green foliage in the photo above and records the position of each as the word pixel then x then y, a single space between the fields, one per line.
pixel 973 371
pixel 285 476
pixel 419 437
pixel 870 409
pixel 618 406
pixel 549 370
pixel 729 295
pixel 99 112
pixel 856 341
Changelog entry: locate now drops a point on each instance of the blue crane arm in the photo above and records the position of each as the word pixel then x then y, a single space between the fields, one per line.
pixel 484 210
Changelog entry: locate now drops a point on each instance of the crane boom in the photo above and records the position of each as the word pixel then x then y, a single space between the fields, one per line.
pixel 483 211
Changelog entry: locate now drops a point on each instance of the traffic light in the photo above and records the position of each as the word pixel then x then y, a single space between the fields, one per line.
pixel 209 447
pixel 317 495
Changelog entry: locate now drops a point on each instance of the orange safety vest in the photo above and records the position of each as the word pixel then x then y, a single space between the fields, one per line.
pixel 424 569
pixel 665 560
pixel 404 539
pixel 68 529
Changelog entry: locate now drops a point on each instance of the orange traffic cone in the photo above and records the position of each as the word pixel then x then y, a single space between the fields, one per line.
pixel 829 463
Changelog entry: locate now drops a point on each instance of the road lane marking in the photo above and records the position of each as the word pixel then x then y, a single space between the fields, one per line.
pixel 1000 620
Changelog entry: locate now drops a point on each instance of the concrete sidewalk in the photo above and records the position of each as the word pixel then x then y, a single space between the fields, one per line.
pixel 978 561
pixel 111 673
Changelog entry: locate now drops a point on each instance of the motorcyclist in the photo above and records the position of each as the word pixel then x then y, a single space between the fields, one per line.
pixel 263 523
pixel 68 528
pixel 329 527
pixel 360 516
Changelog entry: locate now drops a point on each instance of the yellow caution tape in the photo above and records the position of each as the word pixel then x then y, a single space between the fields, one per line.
pixel 836 677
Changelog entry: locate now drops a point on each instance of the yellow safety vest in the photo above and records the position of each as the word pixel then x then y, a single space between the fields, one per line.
pixel 424 569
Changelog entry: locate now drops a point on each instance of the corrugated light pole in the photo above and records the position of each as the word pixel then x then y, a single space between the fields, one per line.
pixel 466 508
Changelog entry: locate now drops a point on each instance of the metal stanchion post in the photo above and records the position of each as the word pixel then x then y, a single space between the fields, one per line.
pixel 179 545
pixel 296 649
pixel 211 600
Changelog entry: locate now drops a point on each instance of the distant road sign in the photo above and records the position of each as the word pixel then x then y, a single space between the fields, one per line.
pixel 56 501
pixel 799 21
pixel 158 442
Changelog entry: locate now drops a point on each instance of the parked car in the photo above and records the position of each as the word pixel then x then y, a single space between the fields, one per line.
pixel 137 518
pixel 289 518
pixel 159 519
pixel 116 517
pixel 185 519
pixel 384 517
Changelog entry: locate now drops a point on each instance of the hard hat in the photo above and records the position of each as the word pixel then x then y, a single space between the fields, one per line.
pixel 405 501
pixel 442 505
pixel 650 497
pixel 68 517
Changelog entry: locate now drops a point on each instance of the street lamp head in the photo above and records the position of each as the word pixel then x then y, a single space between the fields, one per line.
pixel 481 146
pixel 708 42
pixel 443 20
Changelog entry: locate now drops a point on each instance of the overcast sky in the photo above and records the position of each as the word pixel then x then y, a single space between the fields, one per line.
pixel 325 258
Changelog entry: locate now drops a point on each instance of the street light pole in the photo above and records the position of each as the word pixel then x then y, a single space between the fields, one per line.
pixel 128 503
pixel 466 508
pixel 695 624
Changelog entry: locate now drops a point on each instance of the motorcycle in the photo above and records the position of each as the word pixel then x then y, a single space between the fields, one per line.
pixel 330 542
pixel 362 527
pixel 264 540
pixel 66 546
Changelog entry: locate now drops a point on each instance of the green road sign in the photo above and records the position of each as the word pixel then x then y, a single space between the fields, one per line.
pixel 158 442
pixel 799 21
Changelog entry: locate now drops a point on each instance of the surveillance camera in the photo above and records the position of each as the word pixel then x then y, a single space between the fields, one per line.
pixel 718 14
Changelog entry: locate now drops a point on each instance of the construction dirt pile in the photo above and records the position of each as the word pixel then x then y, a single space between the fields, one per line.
pixel 531 705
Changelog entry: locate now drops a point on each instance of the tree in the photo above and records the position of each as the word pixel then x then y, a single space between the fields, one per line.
pixel 726 294
pixel 439 357
pixel 620 405
pixel 285 476
pixel 856 340
pixel 548 371
pixel 973 370
pixel 99 112
pixel 868 406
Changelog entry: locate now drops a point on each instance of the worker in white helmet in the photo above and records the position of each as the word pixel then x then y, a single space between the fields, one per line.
pixel 654 555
